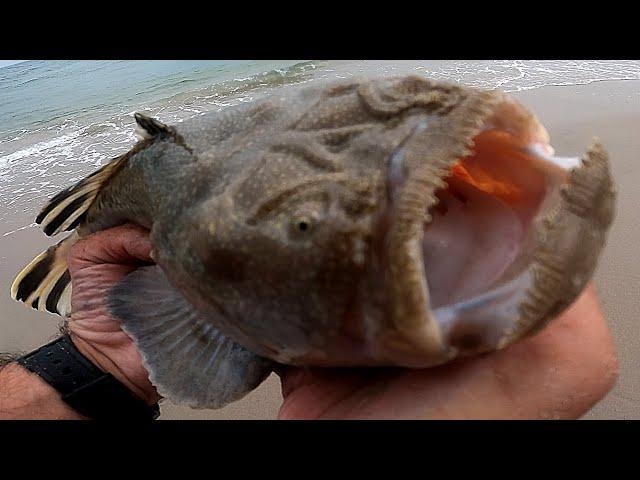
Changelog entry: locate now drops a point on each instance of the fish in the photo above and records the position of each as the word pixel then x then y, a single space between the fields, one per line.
pixel 370 222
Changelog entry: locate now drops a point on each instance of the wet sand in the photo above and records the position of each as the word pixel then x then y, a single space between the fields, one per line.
pixel 573 116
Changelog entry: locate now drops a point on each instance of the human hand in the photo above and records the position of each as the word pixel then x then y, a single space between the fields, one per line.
pixel 96 263
pixel 560 373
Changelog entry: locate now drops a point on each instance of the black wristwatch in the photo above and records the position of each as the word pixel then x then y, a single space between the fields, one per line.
pixel 83 386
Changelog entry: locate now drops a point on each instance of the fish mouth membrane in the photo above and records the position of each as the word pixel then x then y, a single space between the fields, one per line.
pixel 484 235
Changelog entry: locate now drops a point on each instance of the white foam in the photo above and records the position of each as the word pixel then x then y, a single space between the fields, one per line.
pixel 520 75
pixel 18 229
pixel 39 147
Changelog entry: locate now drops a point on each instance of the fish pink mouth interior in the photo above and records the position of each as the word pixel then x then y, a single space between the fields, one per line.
pixel 480 223
pixel 477 245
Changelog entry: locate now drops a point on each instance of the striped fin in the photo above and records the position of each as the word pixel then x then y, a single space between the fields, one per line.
pixel 67 209
pixel 148 127
pixel 45 284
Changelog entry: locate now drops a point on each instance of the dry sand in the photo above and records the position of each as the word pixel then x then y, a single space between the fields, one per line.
pixel 573 115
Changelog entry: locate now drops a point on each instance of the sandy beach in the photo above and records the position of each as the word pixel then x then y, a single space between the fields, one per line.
pixel 573 115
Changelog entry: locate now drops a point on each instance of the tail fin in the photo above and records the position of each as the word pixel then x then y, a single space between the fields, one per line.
pixel 45 284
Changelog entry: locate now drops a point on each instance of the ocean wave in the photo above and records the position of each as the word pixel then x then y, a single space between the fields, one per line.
pixel 53 153
pixel 100 128
pixel 520 75
pixel 40 147
pixel 296 73
pixel 508 75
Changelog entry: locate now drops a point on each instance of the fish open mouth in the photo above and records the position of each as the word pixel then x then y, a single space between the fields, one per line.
pixel 485 247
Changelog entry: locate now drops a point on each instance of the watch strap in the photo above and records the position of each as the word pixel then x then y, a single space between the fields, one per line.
pixel 83 386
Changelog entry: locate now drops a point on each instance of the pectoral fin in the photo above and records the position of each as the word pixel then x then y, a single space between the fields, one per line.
pixel 189 361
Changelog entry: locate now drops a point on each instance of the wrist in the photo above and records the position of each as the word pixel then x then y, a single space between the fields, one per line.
pixel 104 362
pixel 24 396
pixel 89 390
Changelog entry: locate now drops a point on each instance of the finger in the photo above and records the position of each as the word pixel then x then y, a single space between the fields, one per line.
pixel 311 393
pixel 124 244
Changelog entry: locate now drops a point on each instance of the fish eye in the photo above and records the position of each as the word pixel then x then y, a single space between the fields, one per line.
pixel 303 220
pixel 304 223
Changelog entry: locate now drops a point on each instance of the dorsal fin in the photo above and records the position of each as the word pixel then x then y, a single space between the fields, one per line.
pixel 150 127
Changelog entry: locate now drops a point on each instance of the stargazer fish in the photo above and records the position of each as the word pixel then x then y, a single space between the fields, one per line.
pixel 361 223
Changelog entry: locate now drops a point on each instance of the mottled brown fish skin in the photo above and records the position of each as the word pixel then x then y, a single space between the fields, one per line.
pixel 264 215
pixel 273 217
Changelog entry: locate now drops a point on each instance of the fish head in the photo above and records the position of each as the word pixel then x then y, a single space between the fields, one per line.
pixel 397 221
